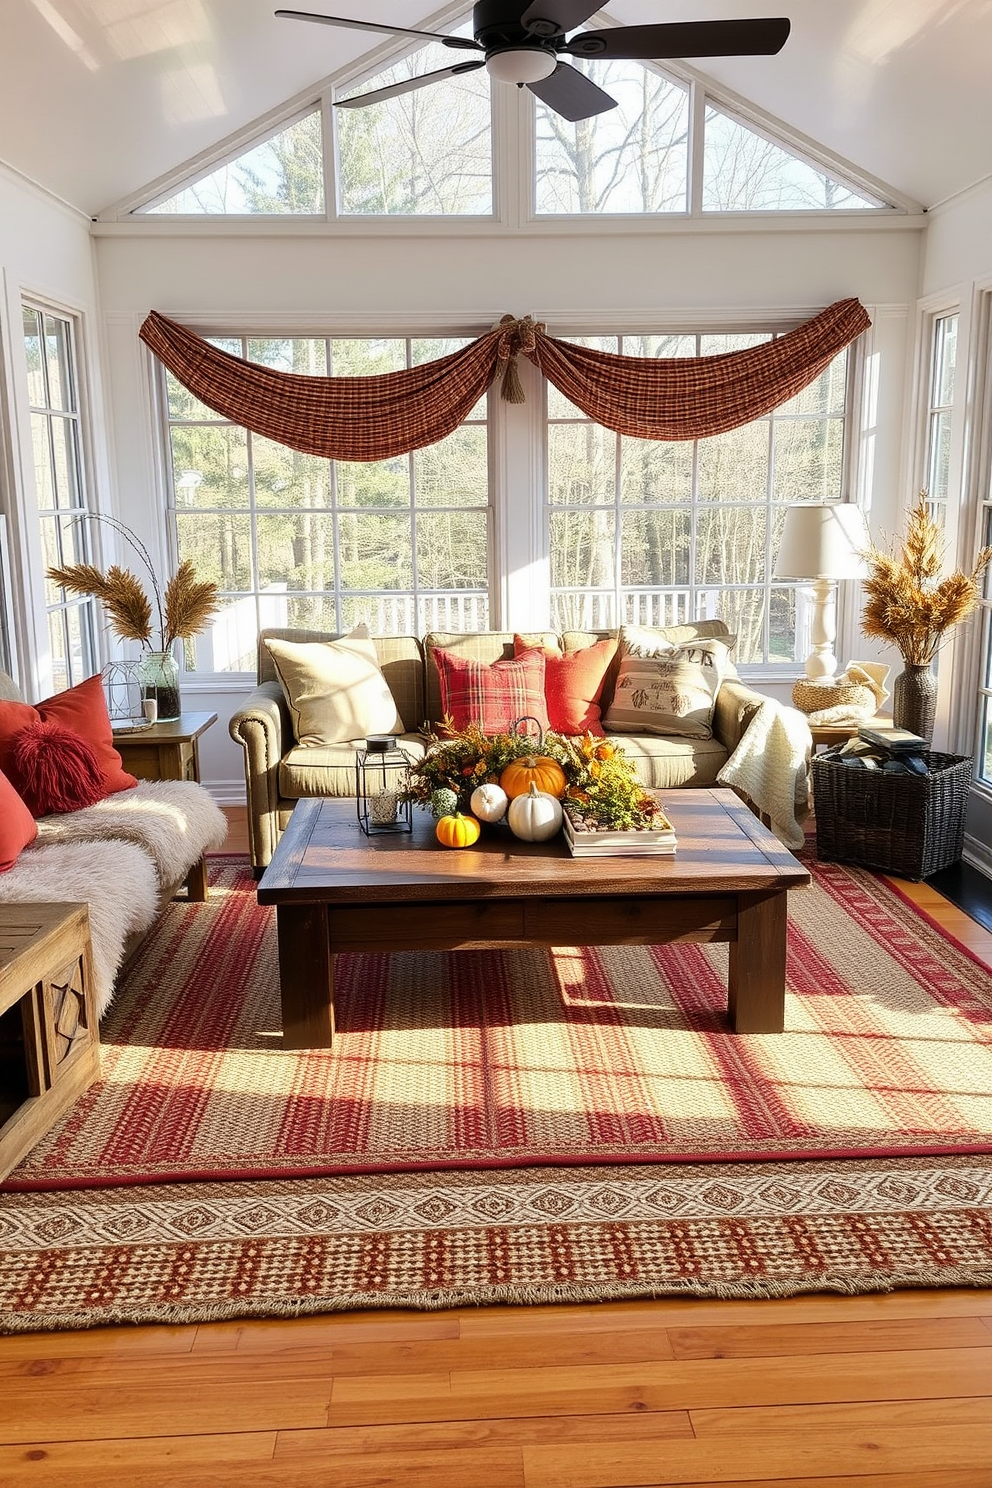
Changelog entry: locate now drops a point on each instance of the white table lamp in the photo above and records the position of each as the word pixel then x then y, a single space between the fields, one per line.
pixel 821 543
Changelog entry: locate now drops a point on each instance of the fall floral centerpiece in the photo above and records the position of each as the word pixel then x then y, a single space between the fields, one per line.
pixel 182 610
pixel 909 604
pixel 600 788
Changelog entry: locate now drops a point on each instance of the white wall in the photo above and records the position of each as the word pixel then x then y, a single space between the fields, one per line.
pixel 266 280
pixel 45 251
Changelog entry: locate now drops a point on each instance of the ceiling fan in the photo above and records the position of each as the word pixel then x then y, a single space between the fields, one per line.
pixel 520 42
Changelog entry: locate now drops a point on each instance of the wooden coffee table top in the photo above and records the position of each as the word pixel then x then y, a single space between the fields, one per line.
pixel 324 856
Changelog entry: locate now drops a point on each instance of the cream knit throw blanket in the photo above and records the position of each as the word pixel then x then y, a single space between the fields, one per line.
pixel 771 767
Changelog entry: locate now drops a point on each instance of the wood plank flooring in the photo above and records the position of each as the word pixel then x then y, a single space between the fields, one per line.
pixel 888 1391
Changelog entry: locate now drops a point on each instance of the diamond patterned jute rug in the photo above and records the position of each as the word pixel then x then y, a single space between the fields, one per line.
pixel 523 1126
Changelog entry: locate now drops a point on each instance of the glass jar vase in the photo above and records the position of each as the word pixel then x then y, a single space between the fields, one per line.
pixel 158 673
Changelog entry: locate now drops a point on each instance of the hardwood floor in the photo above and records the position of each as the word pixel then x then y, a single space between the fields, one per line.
pixel 888 1391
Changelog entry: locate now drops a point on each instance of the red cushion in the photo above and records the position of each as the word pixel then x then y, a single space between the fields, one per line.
pixel 573 685
pixel 56 769
pixel 83 709
pixel 17 825
pixel 492 696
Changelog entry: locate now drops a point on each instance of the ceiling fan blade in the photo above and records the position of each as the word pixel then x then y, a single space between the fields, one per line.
pixel 555 17
pixel 571 94
pixel 326 20
pixel 683 39
pixel 362 100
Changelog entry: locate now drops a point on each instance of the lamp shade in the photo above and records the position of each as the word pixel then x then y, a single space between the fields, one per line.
pixel 521 65
pixel 822 540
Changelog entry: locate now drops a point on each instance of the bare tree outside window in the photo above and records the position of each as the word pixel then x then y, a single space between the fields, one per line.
pixel 656 533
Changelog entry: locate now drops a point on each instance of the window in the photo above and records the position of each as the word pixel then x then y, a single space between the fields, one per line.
pixel 283 174
pixel 655 533
pixel 943 362
pixel 426 153
pixel 429 153
pixel 635 158
pixel 745 172
pixel 56 442
pixel 984 754
pixel 293 540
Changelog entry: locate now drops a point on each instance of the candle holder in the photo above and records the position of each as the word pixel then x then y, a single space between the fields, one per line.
pixel 382 779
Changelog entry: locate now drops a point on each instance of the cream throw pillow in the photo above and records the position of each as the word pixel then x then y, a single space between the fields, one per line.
pixel 335 689
pixel 666 689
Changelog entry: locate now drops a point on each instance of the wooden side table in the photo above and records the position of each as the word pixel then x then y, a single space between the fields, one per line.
pixel 49 1036
pixel 168 751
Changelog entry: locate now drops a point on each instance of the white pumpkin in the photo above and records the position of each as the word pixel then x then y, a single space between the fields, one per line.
pixel 489 802
pixel 535 816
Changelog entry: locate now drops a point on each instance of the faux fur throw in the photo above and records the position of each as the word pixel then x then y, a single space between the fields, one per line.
pixel 175 821
pixel 117 881
pixel 771 767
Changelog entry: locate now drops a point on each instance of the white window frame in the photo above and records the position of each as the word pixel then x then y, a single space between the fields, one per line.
pixel 208 679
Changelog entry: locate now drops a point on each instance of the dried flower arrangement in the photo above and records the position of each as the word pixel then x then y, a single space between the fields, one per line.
pixel 184 609
pixel 602 788
pixel 906 601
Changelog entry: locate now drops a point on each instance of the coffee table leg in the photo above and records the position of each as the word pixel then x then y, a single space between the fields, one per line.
pixel 756 1000
pixel 306 976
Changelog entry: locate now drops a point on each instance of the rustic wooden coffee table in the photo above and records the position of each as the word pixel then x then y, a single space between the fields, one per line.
pixel 337 890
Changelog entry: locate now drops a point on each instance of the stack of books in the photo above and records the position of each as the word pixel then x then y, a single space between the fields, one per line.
pixel 894 751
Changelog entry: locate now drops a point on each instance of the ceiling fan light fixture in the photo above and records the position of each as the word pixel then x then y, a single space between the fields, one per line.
pixel 521 64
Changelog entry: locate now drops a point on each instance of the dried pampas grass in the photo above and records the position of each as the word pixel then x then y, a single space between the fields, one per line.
pixel 186 608
pixel 905 600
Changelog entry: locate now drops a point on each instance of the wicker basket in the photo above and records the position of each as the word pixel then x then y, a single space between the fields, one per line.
pixel 909 825
pixel 810 697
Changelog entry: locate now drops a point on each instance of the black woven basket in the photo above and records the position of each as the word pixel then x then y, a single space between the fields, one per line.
pixel 908 825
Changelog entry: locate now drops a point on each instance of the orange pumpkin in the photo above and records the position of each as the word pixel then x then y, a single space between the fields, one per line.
pixel 457 830
pixel 533 769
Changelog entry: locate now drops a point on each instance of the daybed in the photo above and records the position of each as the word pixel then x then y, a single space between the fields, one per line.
pixel 125 857
pixel 749 732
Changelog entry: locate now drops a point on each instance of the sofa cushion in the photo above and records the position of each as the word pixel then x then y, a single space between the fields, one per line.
pixel 486 646
pixel 676 635
pixel 493 695
pixel 310 770
pixel 83 709
pixel 666 689
pixel 335 689
pixel 56 769
pixel 18 828
pixel 400 657
pixel 573 684
pixel 669 763
pixel 174 821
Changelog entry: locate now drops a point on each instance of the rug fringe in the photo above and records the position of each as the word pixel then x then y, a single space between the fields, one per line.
pixel 536 1295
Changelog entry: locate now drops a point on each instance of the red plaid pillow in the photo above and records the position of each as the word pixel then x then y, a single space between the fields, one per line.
pixel 494 696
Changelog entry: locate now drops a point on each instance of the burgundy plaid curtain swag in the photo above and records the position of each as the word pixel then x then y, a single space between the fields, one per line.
pixel 375 418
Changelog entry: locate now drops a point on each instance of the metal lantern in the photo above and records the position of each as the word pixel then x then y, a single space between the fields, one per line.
pixel 122 689
pixel 382 777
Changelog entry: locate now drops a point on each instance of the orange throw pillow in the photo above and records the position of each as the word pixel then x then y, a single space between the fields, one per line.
pixel 17 826
pixel 82 710
pixel 573 685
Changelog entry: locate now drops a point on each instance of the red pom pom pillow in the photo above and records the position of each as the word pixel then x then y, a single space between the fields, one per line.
pixel 57 771
pixel 83 711
pixel 573 685
pixel 17 826
pixel 493 696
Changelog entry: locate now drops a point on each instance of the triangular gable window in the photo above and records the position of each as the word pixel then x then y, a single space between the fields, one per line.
pixel 745 172
pixel 282 176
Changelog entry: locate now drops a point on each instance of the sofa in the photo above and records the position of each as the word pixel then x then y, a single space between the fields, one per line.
pixel 124 857
pixel 279 771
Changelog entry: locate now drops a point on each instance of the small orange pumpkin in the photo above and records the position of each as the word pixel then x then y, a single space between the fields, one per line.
pixel 533 769
pixel 457 830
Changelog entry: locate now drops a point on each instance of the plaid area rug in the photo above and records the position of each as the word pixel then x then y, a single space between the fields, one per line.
pixel 886 1051
pixel 529 1057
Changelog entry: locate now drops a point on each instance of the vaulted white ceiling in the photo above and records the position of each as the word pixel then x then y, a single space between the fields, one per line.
pixel 100 97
